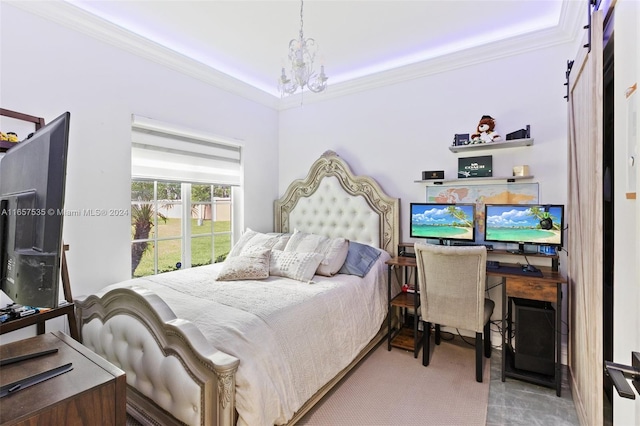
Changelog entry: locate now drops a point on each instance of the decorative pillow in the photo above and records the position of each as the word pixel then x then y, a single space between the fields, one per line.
pixel 297 266
pixel 252 241
pixel 360 259
pixel 333 250
pixel 283 239
pixel 250 266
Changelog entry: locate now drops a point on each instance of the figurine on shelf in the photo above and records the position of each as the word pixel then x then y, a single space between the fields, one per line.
pixel 485 131
pixel 12 137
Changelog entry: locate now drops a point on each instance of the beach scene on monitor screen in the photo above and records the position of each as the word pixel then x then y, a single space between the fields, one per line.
pixel 432 221
pixel 513 223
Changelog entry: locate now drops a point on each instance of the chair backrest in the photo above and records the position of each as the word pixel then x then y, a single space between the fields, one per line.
pixel 452 285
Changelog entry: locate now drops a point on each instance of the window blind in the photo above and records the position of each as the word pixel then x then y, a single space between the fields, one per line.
pixel 162 151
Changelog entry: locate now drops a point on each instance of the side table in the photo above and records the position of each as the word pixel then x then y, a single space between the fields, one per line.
pixel 92 393
pixel 403 337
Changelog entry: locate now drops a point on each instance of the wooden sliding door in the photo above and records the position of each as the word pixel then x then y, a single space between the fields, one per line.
pixel 584 221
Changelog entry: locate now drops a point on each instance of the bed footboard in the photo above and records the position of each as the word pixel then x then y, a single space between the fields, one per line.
pixel 174 375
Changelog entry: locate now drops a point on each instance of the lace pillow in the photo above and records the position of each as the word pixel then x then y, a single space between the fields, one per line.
pixel 250 266
pixel 297 266
pixel 252 241
pixel 333 250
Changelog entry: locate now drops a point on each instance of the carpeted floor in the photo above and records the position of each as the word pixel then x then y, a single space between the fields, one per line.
pixel 392 388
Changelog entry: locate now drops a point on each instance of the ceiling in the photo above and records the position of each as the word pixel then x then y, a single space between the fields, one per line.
pixel 248 40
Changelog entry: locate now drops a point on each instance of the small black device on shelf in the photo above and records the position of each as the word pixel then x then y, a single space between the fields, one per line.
pixel 489 247
pixel 493 264
pixel 520 134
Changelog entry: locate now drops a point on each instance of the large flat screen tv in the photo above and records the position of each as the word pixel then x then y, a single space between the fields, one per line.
pixel 524 224
pixel 444 222
pixel 32 185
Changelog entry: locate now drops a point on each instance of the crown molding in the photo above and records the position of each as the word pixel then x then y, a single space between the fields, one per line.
pixel 463 58
pixel 567 31
pixel 75 18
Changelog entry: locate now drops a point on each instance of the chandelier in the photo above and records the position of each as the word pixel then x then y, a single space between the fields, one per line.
pixel 302 53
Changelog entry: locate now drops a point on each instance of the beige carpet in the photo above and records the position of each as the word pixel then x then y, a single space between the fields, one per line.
pixel 393 388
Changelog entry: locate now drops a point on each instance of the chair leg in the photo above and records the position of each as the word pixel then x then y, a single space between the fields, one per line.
pixel 426 336
pixel 479 359
pixel 437 334
pixel 487 339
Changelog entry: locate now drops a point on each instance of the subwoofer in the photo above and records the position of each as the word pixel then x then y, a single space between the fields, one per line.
pixel 534 336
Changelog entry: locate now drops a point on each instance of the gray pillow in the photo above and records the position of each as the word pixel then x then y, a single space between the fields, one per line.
pixel 360 259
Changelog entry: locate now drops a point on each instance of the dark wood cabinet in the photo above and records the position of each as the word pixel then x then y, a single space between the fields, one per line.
pixel 92 393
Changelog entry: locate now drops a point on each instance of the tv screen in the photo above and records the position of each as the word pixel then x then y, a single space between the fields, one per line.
pixel 443 221
pixel 524 224
pixel 32 184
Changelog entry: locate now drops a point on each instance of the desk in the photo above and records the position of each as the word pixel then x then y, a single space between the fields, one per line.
pixel 403 338
pixel 92 393
pixel 547 288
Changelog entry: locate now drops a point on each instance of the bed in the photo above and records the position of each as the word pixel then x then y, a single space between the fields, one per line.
pixel 201 351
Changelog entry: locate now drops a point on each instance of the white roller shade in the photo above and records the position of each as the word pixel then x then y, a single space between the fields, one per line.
pixel 163 151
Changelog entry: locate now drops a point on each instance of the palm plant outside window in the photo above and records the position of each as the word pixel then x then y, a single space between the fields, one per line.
pixel 177 225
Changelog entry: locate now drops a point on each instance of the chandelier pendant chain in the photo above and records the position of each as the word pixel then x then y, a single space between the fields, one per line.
pixel 301 20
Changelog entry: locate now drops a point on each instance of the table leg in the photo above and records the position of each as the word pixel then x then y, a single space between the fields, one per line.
pixel 558 339
pixel 505 334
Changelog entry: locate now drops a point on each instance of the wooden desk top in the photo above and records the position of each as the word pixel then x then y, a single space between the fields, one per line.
pixel 549 275
pixel 402 261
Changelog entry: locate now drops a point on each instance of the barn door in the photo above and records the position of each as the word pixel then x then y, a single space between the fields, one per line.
pixel 584 219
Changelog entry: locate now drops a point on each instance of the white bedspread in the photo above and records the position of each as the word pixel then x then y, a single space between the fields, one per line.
pixel 291 337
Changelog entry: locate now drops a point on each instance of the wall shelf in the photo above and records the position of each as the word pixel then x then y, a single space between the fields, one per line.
pixel 492 145
pixel 473 181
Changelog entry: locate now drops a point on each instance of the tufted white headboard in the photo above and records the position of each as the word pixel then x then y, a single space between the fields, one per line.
pixel 332 201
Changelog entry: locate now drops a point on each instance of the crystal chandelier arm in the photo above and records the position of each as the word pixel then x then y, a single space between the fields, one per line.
pixel 319 84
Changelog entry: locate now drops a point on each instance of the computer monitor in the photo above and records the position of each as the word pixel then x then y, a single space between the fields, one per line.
pixel 524 224
pixel 32 186
pixel 444 222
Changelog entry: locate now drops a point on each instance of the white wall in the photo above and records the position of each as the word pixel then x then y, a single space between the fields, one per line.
pixel 393 133
pixel 626 281
pixel 47 69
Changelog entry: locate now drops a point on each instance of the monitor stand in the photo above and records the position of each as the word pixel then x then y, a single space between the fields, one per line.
pixel 519 251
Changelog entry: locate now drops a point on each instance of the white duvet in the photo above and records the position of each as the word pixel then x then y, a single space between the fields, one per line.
pixel 291 337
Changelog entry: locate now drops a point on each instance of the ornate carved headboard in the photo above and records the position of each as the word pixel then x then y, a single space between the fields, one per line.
pixel 332 201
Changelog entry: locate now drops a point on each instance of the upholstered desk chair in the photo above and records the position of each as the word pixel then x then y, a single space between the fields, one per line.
pixel 451 280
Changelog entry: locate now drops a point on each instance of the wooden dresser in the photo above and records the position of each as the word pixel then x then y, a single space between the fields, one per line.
pixel 92 393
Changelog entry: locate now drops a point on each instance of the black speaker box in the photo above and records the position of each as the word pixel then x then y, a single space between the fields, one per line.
pixel 535 337
pixel 433 174
pixel 520 134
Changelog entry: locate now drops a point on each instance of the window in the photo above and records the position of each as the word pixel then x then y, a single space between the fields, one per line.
pixel 181 197
pixel 176 225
